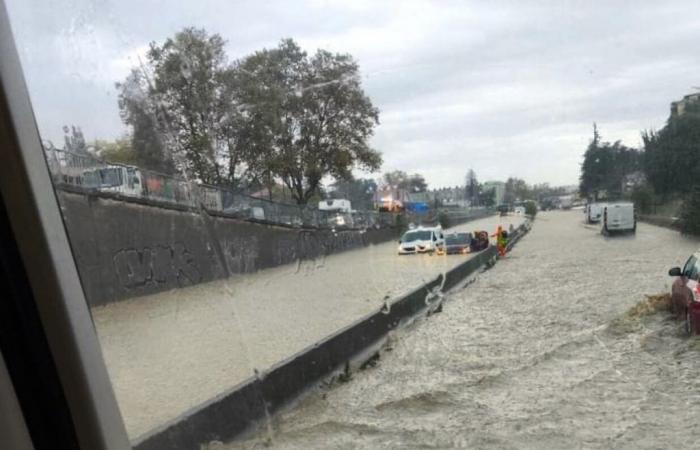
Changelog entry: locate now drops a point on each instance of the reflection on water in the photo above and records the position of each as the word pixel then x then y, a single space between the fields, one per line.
pixel 547 350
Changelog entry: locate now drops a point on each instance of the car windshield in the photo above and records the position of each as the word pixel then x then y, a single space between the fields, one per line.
pixel 255 194
pixel 419 235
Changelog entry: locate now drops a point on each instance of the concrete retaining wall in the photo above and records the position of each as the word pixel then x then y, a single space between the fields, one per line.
pixel 241 408
pixel 127 249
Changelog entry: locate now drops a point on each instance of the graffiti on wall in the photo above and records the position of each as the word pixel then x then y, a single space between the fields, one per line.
pixel 286 251
pixel 241 254
pixel 158 265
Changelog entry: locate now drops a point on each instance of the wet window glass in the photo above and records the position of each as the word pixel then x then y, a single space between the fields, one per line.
pixel 690 269
pixel 380 224
pixel 695 271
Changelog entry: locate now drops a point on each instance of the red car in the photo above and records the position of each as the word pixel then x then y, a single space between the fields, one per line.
pixel 685 294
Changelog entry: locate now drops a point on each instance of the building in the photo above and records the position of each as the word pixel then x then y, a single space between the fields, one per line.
pixel 452 196
pixel 499 189
pixel 678 108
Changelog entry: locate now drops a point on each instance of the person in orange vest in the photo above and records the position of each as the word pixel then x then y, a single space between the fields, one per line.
pixel 501 240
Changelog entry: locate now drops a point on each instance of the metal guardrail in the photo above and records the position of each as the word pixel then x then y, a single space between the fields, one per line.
pixel 88 173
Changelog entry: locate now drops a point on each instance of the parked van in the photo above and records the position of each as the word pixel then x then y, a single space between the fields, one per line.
pixel 422 240
pixel 594 212
pixel 619 217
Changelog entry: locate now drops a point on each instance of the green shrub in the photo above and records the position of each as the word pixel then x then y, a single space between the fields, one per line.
pixel 531 208
pixel 690 213
pixel 643 199
pixel 444 220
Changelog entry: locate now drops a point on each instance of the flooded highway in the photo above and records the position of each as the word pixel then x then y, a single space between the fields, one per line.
pixel 545 350
pixel 169 352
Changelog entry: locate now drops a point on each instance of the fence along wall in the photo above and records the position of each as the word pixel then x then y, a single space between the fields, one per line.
pixel 125 249
pixel 87 174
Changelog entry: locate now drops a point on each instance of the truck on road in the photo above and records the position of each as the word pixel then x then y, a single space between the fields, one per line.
pixel 594 212
pixel 619 217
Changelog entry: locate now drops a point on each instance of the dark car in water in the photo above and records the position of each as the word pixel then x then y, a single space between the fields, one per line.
pixel 685 293
pixel 457 243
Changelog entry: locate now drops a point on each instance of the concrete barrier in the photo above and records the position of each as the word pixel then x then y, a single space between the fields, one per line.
pixel 243 407
pixel 128 249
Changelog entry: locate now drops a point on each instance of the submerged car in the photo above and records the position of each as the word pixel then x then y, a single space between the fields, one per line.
pixel 685 294
pixel 422 240
pixel 457 243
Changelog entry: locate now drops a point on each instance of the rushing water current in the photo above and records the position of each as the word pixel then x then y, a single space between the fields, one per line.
pixel 539 352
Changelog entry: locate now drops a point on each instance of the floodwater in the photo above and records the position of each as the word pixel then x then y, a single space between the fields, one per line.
pixel 173 351
pixel 538 353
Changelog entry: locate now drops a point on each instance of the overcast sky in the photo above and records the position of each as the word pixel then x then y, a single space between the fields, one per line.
pixel 505 88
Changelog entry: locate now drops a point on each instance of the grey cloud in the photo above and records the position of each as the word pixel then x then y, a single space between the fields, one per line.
pixel 507 88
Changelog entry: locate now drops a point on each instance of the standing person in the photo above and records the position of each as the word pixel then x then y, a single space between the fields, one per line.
pixel 501 240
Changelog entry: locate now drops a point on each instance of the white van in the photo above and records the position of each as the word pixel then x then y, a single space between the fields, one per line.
pixel 594 212
pixel 619 217
pixel 335 205
pixel 422 240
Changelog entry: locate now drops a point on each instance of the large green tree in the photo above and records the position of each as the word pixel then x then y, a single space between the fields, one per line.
pixel 307 116
pixel 179 102
pixel 138 110
pixel 398 179
pixel 672 155
pixel 605 166
pixel 516 190
pixel 277 115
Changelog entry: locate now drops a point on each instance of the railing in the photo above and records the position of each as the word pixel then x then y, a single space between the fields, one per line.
pixel 85 172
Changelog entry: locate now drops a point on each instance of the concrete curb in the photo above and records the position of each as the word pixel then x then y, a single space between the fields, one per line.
pixel 241 408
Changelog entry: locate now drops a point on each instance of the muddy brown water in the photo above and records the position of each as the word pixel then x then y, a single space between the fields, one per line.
pixel 170 352
pixel 537 353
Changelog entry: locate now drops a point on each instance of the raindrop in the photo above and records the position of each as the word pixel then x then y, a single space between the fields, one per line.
pixel 386 306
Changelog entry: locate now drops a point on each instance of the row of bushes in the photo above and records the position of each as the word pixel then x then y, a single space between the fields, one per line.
pixel 685 207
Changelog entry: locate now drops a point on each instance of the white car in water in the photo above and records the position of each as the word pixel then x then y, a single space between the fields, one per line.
pixel 422 240
pixel 619 217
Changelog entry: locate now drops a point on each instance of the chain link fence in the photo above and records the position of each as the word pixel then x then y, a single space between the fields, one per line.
pixel 86 173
